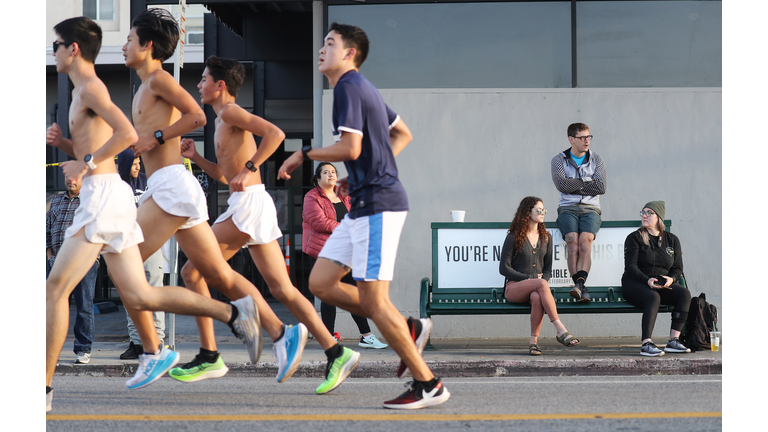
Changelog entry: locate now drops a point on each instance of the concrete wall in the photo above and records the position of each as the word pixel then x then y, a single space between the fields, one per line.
pixel 484 150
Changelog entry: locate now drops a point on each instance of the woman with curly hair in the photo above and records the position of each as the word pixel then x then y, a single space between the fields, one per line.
pixel 526 264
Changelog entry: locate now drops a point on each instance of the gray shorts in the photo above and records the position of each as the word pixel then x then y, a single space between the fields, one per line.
pixel 578 219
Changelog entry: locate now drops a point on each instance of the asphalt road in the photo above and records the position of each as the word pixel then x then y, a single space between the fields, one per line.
pixel 638 403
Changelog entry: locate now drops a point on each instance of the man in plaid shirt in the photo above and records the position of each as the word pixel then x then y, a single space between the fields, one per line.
pixel 59 218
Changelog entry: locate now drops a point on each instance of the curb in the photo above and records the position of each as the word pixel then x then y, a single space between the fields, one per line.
pixel 448 369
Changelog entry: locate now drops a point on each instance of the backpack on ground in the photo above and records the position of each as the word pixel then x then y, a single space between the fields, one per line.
pixel 702 319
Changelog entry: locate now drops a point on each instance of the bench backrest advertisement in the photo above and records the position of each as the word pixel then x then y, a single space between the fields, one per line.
pixel 469 257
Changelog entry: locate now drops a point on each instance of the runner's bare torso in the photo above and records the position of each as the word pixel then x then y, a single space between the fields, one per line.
pixel 151 112
pixel 234 146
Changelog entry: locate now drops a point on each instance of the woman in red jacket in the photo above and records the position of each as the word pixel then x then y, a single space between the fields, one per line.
pixel 323 211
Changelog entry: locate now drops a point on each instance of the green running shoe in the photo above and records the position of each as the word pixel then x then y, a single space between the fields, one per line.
pixel 337 371
pixel 198 370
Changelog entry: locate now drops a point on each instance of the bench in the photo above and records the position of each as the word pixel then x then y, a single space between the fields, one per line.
pixel 486 297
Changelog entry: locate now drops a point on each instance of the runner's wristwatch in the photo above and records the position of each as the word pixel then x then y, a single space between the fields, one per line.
pixel 88 159
pixel 251 166
pixel 159 137
pixel 305 150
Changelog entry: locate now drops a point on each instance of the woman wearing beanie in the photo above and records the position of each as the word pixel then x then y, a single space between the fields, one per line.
pixel 653 262
pixel 323 211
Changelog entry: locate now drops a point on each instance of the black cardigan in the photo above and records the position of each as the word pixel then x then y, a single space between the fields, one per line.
pixel 529 262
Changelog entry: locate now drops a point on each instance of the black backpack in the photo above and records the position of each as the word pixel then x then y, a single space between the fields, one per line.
pixel 702 319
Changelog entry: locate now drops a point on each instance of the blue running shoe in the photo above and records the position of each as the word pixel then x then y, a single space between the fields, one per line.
pixel 152 367
pixel 288 350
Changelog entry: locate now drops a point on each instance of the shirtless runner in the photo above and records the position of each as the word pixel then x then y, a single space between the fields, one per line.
pixel 105 222
pixel 251 220
pixel 174 203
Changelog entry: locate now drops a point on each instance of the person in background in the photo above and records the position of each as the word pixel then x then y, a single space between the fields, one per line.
pixel 526 264
pixel 324 209
pixel 59 218
pixel 653 263
pixel 580 177
pixel 129 168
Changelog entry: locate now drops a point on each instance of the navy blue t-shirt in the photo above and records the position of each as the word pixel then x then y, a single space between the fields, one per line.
pixel 373 184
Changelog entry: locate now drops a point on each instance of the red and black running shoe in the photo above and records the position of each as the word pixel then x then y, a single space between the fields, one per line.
pixel 419 396
pixel 419 330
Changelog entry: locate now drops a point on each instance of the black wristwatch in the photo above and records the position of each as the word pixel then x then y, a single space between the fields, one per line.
pixel 159 137
pixel 251 166
pixel 305 150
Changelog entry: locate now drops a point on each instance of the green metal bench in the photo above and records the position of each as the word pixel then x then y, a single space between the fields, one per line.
pixel 491 301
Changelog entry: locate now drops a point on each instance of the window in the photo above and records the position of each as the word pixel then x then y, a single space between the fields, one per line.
pixel 465 45
pixel 649 43
pixel 195 38
pixel 99 10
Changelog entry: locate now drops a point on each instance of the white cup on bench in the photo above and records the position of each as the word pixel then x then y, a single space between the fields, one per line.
pixel 458 215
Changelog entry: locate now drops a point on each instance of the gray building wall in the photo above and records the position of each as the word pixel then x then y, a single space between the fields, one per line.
pixel 484 150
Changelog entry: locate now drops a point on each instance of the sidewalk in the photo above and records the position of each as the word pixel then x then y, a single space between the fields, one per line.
pixel 451 358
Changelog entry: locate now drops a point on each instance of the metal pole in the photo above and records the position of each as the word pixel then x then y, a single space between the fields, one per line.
pixel 174 255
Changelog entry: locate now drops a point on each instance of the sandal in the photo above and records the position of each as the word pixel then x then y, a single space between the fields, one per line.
pixel 534 350
pixel 567 339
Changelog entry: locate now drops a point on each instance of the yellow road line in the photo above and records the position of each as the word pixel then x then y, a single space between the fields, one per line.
pixel 384 417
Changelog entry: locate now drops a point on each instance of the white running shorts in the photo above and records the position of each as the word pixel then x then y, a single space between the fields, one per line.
pixel 367 244
pixel 177 192
pixel 253 212
pixel 108 213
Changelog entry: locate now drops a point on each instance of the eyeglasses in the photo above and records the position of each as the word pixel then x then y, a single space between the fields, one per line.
pixel 542 211
pixel 585 137
pixel 647 213
pixel 56 45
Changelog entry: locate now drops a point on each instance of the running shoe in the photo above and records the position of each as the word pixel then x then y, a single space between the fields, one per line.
pixel 198 370
pixel 152 367
pixel 83 358
pixel 338 370
pixel 420 330
pixel 651 350
pixel 247 326
pixel 288 350
pixel 674 346
pixel 371 341
pixel 48 400
pixel 418 396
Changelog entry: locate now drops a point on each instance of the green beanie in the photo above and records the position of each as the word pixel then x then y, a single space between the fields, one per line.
pixel 658 207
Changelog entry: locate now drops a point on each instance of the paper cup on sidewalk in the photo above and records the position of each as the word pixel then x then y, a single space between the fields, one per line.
pixel 714 340
pixel 458 215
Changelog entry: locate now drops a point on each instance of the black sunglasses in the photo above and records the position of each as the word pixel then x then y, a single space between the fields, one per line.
pixel 56 45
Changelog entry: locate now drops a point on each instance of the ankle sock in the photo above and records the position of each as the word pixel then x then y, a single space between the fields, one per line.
pixel 429 385
pixel 282 333
pixel 235 313
pixel 208 356
pixel 334 352
pixel 580 276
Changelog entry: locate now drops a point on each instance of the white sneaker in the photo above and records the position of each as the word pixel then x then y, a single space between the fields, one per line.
pixel 83 358
pixel 152 367
pixel 48 400
pixel 247 326
pixel 371 341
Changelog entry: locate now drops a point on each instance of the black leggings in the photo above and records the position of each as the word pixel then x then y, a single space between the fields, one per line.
pixel 642 296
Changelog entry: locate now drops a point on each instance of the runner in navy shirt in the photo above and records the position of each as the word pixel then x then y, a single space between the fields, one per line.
pixel 358 108
pixel 368 136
